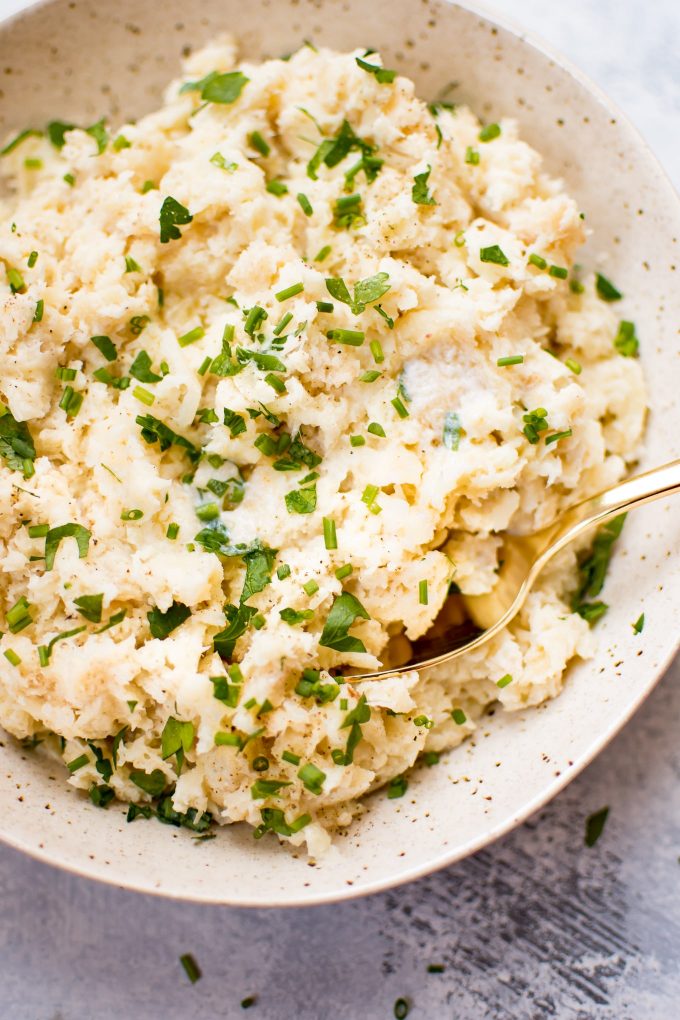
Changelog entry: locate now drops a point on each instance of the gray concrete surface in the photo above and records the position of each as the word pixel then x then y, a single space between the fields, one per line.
pixel 537 926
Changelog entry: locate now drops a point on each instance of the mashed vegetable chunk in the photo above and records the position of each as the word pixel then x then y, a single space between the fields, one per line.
pixel 280 364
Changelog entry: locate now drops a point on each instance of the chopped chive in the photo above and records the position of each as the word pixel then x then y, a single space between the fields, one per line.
pixel 397 787
pixel 191 968
pixel 558 271
pixel 15 280
pixel 105 346
pixel 277 188
pixel 575 286
pixel 32 259
pixel 120 142
pixel 205 365
pixel 282 323
pixel 39 309
pixel 255 317
pixel 208 512
pixel 471 156
pixel 70 179
pixel 639 624
pixel 423 597
pixel 289 292
pixel 324 306
pixel 65 374
pixel 504 681
pixel 258 142
pixel 292 759
pixel 459 239
pixel 377 351
pixel 310 588
pixel 458 716
pixel 376 430
pixel 323 253
pixel 143 395
pixel 305 204
pixel 538 261
pixel 329 533
pixel 556 436
pixel 38 530
pixel 344 571
pixel 312 778
pixel 71 402
pixel 399 407
pixel 489 132
pixel 351 337
pixel 573 366
pixel 131 515
pixel 283 572
pixel 357 441
pixel 77 763
pixel 370 376
pixel 369 494
pixel 191 337
pixel 12 656
pixel 173 531
pixel 511 359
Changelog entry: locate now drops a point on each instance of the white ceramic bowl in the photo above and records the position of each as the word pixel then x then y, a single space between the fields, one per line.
pixel 80 59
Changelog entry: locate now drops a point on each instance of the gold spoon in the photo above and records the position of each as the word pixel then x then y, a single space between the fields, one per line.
pixel 523 558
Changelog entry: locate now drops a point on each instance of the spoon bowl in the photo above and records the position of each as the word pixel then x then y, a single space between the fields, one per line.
pixel 523 559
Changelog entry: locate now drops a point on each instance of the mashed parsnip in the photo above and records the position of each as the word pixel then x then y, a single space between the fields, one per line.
pixel 280 364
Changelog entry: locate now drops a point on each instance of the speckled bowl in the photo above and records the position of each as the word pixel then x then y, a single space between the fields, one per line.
pixel 80 59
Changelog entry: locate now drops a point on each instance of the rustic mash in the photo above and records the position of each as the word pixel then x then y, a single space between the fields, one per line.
pixel 280 364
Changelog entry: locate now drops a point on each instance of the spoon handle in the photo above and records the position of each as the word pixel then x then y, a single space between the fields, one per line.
pixel 631 493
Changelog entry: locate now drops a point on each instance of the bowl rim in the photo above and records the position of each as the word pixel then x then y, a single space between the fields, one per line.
pixel 537 43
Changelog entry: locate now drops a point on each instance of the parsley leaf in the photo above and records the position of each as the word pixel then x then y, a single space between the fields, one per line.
pixel 176 738
pixel 100 134
pixel 56 130
pixel 259 565
pixel 365 291
pixel 494 253
pixel 606 289
pixel 55 535
pixel 301 501
pixel 238 621
pixel 218 88
pixel 90 606
pixel 105 346
pixel 382 75
pixel 345 610
pixel 235 422
pixel 333 150
pixel 215 538
pixel 625 341
pixel 420 192
pixel 141 369
pixel 173 215
pixel 152 783
pixel 162 624
pixel 16 443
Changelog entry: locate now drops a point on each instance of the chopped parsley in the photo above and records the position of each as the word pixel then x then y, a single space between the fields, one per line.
pixel 106 347
pixel 173 215
pixel 381 74
pixel 16 443
pixel 595 824
pixel 606 289
pixel 152 783
pixel 346 609
pixel 162 624
pixel 141 369
pixel 625 341
pixel 177 738
pixel 294 617
pixel 397 787
pixel 301 501
pixel 420 191
pixel 218 88
pixel 90 606
pixel 156 431
pixel 55 535
pixel 365 291
pixel 494 254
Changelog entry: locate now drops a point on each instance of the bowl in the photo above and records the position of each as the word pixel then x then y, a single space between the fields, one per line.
pixel 81 59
